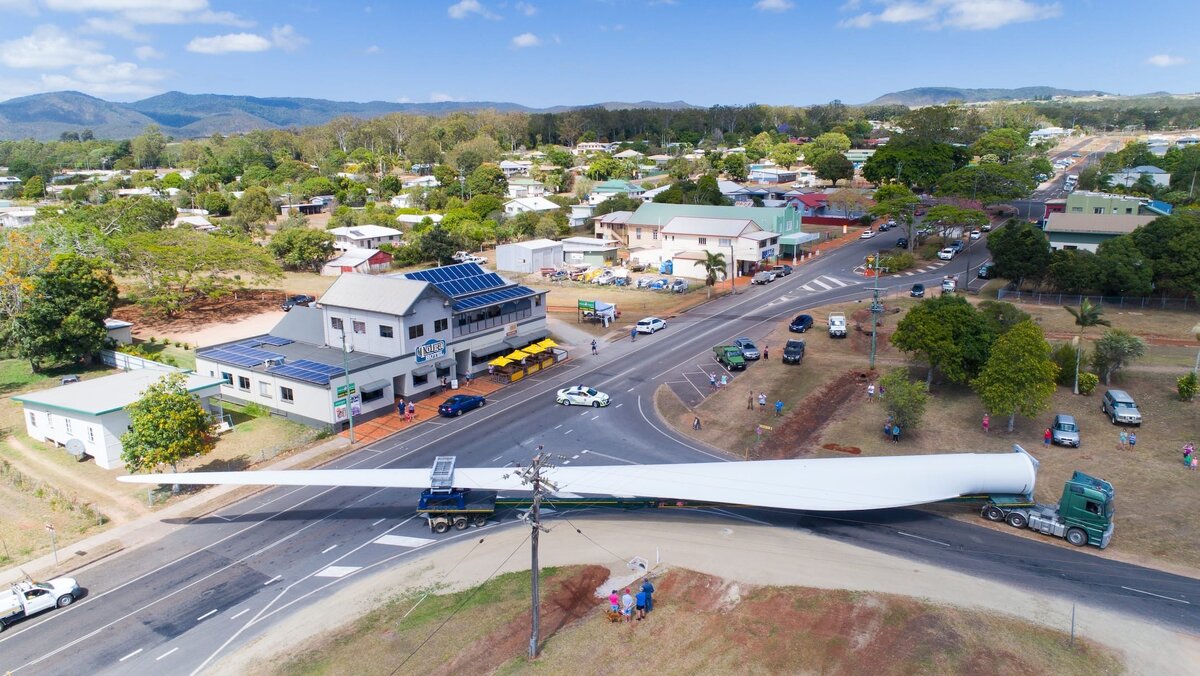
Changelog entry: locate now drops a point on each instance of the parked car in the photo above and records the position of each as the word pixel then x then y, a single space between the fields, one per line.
pixel 801 324
pixel 986 227
pixel 660 284
pixel 644 282
pixel 917 291
pixel 478 260
pixel 867 234
pixel 763 277
pixel 679 286
pixel 782 270
pixel 67 380
pixel 650 325
pixel 459 404
pixel 300 299
pixel 637 267
pixel 1064 431
pixel 891 223
pixel 748 348
pixel 958 245
pixel 1120 408
pixel 985 270
pixel 730 357
pixel 581 395
pixel 947 254
pixel 606 277
pixel 1076 155
pixel 902 243
pixel 793 352
pixel 884 227
pixel 976 234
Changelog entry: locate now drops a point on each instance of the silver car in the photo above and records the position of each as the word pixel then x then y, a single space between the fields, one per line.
pixel 748 348
pixel 1064 431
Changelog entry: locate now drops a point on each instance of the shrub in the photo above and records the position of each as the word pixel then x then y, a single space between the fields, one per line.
pixel 898 262
pixel 1064 356
pixel 1187 386
pixel 1088 382
pixel 255 411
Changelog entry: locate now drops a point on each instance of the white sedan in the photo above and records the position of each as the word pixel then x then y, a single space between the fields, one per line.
pixel 947 254
pixel 650 325
pixel 581 395
pixel 867 234
pixel 976 234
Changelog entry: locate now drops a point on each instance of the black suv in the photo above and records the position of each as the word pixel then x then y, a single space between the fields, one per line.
pixel 801 324
pixel 293 301
pixel 793 352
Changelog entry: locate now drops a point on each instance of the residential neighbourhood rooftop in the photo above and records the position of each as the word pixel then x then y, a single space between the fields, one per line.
pixel 1118 224
pixel 97 396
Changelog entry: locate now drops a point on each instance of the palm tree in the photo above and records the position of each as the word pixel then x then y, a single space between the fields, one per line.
pixel 714 265
pixel 1087 315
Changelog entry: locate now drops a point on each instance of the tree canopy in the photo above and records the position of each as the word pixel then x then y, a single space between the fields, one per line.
pixel 301 248
pixel 1019 250
pixel 1019 376
pixel 949 333
pixel 63 318
pixel 166 425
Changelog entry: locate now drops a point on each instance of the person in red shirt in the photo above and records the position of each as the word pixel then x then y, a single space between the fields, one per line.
pixel 1046 437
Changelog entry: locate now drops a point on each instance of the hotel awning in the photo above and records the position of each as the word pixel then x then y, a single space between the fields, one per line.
pixel 527 338
pixel 375 385
pixel 445 363
pixel 423 370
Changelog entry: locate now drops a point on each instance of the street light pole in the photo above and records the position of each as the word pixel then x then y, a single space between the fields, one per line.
pixel 876 308
pixel 346 371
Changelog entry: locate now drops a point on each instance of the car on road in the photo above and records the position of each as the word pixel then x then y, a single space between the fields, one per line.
pixel 460 404
pixel 884 227
pixel 781 270
pixel 801 324
pixel 902 243
pixel 867 234
pixel 793 352
pixel 748 348
pixel 976 234
pixel 581 395
pixel 947 254
pixel 1076 155
pixel 650 325
pixel 1064 431
pixel 985 270
pixel 917 291
pixel 891 222
pixel 958 245
pixel 986 227
pixel 299 299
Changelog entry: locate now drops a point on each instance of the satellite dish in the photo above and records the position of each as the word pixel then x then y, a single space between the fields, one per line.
pixel 75 447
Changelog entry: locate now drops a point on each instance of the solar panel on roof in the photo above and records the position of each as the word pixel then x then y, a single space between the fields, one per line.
pixel 239 354
pixel 266 340
pixel 512 293
pixel 308 371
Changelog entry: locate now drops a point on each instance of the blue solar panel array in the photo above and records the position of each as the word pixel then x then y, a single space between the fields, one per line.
pixel 512 293
pixel 459 280
pixel 266 340
pixel 239 354
pixel 308 371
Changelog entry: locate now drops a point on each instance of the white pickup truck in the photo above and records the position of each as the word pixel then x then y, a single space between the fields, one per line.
pixel 837 325
pixel 26 598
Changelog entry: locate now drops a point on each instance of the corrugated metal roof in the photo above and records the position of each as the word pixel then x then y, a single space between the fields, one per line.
pixel 110 393
pixel 1102 224
pixel 389 295
pixel 715 227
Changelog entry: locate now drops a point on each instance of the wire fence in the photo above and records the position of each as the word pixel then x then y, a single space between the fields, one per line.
pixel 1120 302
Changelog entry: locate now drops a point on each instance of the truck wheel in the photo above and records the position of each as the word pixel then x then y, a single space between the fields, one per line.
pixel 65 600
pixel 479 520
pixel 1016 520
pixel 460 523
pixel 441 526
pixel 993 513
pixel 1077 537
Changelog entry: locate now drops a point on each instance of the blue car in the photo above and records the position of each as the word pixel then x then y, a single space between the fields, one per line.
pixel 660 284
pixel 459 404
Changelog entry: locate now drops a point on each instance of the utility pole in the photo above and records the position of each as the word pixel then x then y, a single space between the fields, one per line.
pixel 876 309
pixel 346 372
pixel 532 476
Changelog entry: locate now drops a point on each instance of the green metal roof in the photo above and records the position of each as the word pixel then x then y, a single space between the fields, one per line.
pixel 776 219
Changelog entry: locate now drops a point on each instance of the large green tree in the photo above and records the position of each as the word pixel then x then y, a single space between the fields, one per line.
pixel 735 166
pixel 785 154
pixel 487 179
pixel 1127 270
pixel 905 399
pixel 63 318
pixel 947 218
pixel 1006 144
pixel 988 183
pixel 949 333
pixel 167 425
pixel 830 143
pixel 148 147
pixel 834 167
pixel 300 248
pixel 1019 250
pixel 913 162
pixel 1114 350
pixel 1019 376
pixel 253 207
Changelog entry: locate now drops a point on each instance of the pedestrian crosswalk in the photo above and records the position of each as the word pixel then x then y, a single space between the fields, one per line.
pixel 826 283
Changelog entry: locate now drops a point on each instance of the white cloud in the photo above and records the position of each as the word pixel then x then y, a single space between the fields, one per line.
pixel 526 8
pixel 463 9
pixel 84 65
pixel 373 49
pixel 440 97
pixel 231 42
pixel 25 7
pixel 286 38
pixel 526 40
pixel 1165 60
pixel 50 48
pixel 956 14
pixel 773 5
pixel 117 27
pixel 146 52
pixel 151 11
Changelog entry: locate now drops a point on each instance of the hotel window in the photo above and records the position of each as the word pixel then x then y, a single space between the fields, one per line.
pixel 385 331
pixel 1097 210
pixel 639 233
pixel 264 389
pixel 441 324
pixel 243 383
pixel 227 377
pixel 724 242
pixel 285 394
pixel 701 240
pixel 654 234
pixel 360 327
pixel 416 331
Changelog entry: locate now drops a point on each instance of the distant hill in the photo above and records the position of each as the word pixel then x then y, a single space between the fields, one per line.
pixel 928 96
pixel 47 116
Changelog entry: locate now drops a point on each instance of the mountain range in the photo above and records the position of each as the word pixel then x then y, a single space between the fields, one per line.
pixel 930 96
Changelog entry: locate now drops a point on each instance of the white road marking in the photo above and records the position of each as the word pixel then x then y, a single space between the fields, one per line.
pixel 569 431
pixel 165 654
pixel 378 522
pixel 618 406
pixel 130 655
pixel 402 541
pixel 837 281
pixel 274 579
pixel 336 571
pixel 594 417
pixel 497 458
pixel 612 457
pixel 557 426
pixel 576 456
pixel 918 537
pixel 821 284
pixel 632 388
pixel 328 549
pixel 242 612
pixel 1158 595
pixel 566 462
pixel 207 615
pixel 583 413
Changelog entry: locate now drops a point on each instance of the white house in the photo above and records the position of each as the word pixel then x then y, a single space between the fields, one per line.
pixel 525 187
pixel 686 240
pixel 9 181
pixel 364 237
pixel 1128 177
pixel 413 219
pixel 145 191
pixel 514 167
pixel 90 415
pixel 17 217
pixel 523 204
pixel 593 147
pixel 629 154
pixel 119 330
pixel 194 222
pixel 529 256
pixel 420 182
pixel 364 261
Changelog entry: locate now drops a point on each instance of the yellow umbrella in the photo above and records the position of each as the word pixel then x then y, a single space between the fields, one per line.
pixel 500 361
pixel 516 355
pixel 534 349
pixel 547 343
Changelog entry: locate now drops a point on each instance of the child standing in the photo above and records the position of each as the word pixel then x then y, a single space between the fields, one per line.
pixel 987 423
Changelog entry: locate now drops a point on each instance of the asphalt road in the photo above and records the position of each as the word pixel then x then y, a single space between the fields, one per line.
pixel 215 584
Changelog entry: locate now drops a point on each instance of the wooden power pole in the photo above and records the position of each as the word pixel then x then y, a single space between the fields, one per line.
pixel 532 476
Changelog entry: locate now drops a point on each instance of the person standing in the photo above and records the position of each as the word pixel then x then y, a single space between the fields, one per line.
pixel 641 605
pixel 766 351
pixel 614 600
pixel 871 393
pixel 1132 440
pixel 895 433
pixel 1122 440
pixel 696 423
pixel 400 407
pixel 724 380
pixel 778 408
pixel 1188 449
pixel 627 605
pixel 594 352
pixel 412 412
pixel 1046 437
pixel 712 380
pixel 633 335
pixel 648 589
pixel 987 423
pixel 762 400
pixel 750 401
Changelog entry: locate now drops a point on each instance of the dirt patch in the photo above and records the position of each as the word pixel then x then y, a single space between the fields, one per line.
pixel 796 435
pixel 852 450
pixel 574 598
pixel 201 313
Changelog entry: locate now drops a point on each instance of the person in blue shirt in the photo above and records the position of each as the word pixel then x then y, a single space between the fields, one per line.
pixel 648 590
pixel 641 605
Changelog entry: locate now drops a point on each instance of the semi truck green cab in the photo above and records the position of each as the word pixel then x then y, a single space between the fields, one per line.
pixel 730 357
pixel 1083 516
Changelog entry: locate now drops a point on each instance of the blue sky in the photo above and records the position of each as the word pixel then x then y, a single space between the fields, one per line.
pixel 542 53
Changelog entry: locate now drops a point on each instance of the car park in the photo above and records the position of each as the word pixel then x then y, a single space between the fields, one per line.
pixel 748 348
pixel 606 277
pixel 947 254
pixel 459 404
pixel 650 325
pixel 644 282
pixel 917 291
pixel 582 395
pixel 985 270
pixel 293 301
pixel 1064 431
pixel 793 352
pixel 867 234
pixel 902 243
pixel 1120 408
pixel 660 284
pixel 976 234
pixel 801 324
